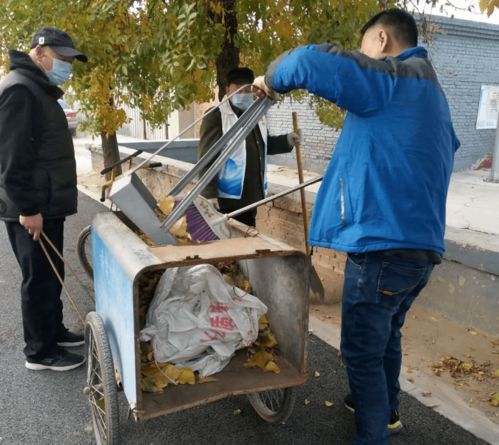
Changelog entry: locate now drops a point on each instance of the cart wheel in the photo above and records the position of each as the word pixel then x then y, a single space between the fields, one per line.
pixel 101 386
pixel 274 406
pixel 84 250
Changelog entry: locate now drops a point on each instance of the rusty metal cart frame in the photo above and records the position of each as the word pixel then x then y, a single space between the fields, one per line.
pixel 279 276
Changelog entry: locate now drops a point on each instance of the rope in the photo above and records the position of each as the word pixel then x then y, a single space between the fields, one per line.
pixel 51 244
pixel 70 298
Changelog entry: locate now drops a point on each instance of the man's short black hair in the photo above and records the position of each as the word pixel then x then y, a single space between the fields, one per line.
pixel 402 24
pixel 240 76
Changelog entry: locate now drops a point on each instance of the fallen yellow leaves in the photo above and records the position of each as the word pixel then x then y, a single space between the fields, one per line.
pixel 494 399
pixel 157 376
pixel 234 276
pixel 263 360
pixel 471 331
pixel 166 205
pixel 459 368
pixel 317 374
pixel 163 208
pixel 328 404
pixel 262 351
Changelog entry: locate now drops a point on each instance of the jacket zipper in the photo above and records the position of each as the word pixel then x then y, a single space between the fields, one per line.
pixel 342 201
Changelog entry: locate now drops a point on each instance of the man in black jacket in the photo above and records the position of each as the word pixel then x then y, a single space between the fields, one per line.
pixel 243 180
pixel 38 189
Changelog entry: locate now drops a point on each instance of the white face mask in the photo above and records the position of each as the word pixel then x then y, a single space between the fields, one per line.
pixel 242 100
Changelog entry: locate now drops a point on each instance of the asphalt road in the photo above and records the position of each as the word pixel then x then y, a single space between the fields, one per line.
pixel 48 408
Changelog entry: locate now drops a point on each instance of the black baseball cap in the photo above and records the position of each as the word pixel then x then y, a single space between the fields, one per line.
pixel 57 40
pixel 240 76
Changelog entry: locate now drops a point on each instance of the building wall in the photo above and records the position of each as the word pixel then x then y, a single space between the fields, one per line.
pixel 318 140
pixel 466 55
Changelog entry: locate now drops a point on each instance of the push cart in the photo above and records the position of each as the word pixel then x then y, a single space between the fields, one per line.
pixel 124 266
pixel 122 261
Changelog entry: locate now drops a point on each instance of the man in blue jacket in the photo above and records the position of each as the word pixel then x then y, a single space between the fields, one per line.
pixel 383 196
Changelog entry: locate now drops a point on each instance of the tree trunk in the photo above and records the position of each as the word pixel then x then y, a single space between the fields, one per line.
pixel 110 152
pixel 228 58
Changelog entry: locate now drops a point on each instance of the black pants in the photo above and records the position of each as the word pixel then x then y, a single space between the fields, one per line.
pixel 40 290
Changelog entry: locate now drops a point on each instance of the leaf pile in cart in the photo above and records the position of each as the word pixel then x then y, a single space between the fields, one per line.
pixel 233 275
pixel 179 230
pixel 262 352
pixel 147 285
pixel 157 376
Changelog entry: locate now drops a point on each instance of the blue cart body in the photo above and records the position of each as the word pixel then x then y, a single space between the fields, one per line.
pixel 278 273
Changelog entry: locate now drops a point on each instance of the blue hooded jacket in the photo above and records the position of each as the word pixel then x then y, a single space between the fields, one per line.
pixel 386 184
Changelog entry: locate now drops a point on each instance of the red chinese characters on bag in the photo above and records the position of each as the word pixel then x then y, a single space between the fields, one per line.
pixel 219 319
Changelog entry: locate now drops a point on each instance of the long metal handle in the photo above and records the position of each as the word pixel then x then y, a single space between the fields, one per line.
pixel 121 161
pixel 208 156
pixel 238 132
pixel 300 187
pixel 185 130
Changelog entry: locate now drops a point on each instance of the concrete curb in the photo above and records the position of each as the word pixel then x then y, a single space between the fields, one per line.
pixel 444 398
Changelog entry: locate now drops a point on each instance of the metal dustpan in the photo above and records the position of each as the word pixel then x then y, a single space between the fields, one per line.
pixel 137 203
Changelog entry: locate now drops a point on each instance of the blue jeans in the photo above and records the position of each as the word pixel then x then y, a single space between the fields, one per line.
pixel 379 289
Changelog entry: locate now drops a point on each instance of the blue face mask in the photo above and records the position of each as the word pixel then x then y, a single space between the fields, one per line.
pixel 60 72
pixel 242 100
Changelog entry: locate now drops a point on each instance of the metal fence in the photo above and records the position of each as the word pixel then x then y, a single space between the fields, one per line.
pixel 136 127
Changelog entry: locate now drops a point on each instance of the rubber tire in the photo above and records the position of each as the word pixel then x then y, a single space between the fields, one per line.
pixel 83 239
pixel 279 415
pixel 95 336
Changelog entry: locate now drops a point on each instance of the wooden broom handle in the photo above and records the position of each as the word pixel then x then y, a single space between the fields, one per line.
pixel 300 178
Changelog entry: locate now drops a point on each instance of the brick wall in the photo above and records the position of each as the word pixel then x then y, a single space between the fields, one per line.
pixel 465 55
pixel 317 140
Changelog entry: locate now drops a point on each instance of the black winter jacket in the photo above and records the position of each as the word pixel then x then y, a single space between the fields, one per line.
pixel 37 163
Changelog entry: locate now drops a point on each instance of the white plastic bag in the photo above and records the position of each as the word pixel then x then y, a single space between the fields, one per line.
pixel 197 320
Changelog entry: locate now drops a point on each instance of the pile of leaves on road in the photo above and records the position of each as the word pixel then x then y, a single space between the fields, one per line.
pixel 459 369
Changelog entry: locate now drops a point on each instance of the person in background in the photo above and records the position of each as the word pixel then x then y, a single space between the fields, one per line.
pixel 382 200
pixel 243 179
pixel 38 189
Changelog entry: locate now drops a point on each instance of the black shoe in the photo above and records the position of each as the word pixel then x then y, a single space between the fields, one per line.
pixel 69 339
pixel 395 424
pixel 60 360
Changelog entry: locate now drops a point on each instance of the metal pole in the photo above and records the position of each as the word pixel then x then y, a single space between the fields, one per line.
pixel 494 171
pixel 238 133
pixel 300 187
pixel 211 153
